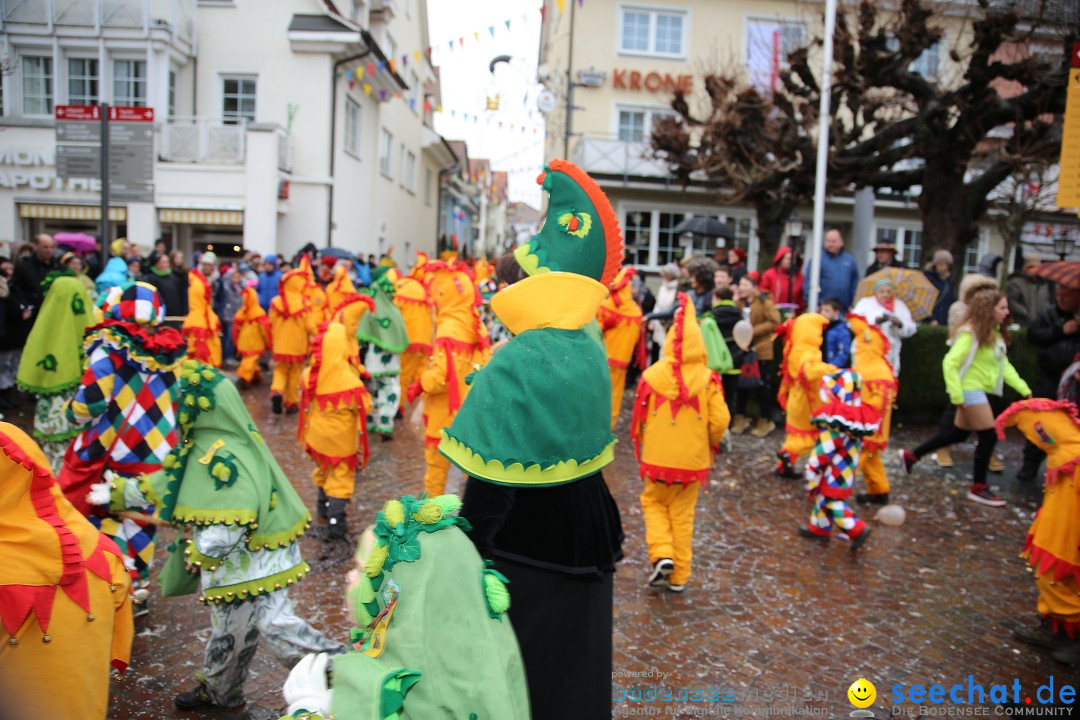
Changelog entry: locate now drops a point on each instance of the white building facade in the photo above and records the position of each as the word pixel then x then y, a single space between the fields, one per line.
pixel 271 121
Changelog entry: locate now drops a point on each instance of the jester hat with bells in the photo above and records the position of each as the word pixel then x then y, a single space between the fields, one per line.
pixel 540 412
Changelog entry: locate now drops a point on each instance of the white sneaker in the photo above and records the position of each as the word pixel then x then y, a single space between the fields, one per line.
pixel 660 572
pixel 676 588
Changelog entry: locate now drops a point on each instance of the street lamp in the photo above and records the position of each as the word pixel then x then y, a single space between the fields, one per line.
pixel 794 235
pixel 1063 245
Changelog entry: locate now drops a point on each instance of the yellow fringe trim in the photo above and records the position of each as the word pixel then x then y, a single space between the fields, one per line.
pixel 517 474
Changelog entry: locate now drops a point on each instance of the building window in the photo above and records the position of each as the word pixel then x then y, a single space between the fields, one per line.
pixel 37 85
pixel 386 143
pixel 636 124
pixel 974 252
pixel 637 234
pixel 669 248
pixel 238 99
pixel 427 186
pixel 768 43
pixel 82 81
pixel 129 83
pixel 926 64
pixel 651 32
pixel 172 92
pixel 908 242
pixel 352 126
pixel 408 171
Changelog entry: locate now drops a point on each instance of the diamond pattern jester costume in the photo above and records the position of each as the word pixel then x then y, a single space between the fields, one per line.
pixel 333 423
pixel 290 323
pixel 52 359
pixel 423 601
pixel 65 610
pixel 251 336
pixel 679 417
pixel 127 403
pixel 222 481
pixel 620 319
pixel 534 434
pixel 1052 547
pixel 461 345
pixel 386 337
pixel 418 310
pixel 842 421
pixel 801 371
pixel 202 327
pixel 879 391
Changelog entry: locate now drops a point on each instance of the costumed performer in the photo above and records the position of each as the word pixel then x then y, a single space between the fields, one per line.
pixel 333 423
pixel 620 318
pixel 842 421
pixel 51 365
pixel 1052 547
pixel 291 326
pixel 202 326
pixel 348 305
pixel 222 481
pixel 65 595
pixel 127 405
pixel 679 417
pixel 412 298
pixel 461 346
pixel 415 569
pixel 251 336
pixel 801 371
pixel 384 333
pixel 880 387
pixel 533 436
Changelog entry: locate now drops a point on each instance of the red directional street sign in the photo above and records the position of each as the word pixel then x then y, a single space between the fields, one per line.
pixel 123 113
pixel 78 112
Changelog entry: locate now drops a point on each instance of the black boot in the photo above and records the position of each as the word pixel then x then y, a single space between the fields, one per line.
pixel 872 499
pixel 1042 635
pixel 7 401
pixel 275 403
pixel 335 509
pixel 320 503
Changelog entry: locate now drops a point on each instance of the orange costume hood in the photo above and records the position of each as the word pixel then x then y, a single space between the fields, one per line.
pixel 346 304
pixel 1053 426
pixel 201 315
pixel 681 375
pixel 291 300
pixel 333 382
pixel 619 306
pixel 802 357
pixel 870 358
pixel 251 326
pixel 412 298
pixel 456 299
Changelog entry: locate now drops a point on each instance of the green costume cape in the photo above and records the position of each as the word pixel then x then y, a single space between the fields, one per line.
pixel 447 650
pixel 222 472
pixel 52 360
pixel 540 412
pixel 385 327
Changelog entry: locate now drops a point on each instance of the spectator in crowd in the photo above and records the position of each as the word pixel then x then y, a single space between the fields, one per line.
pixel 134 267
pixel 13 334
pixel 1028 293
pixel 839 272
pixel 884 256
pixel 765 318
pixel 939 273
pixel 172 288
pixel 1055 331
pixel 665 300
pixel 727 314
pixel 74 262
pixel 890 314
pixel 783 284
pixel 230 297
pixel 267 283
pixel 736 259
pixel 722 279
pixel 30 271
pixel 836 348
pixel 990 265
pixel 179 263
pixel 702 271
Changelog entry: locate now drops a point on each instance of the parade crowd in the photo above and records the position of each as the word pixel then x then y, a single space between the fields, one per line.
pixel 518 369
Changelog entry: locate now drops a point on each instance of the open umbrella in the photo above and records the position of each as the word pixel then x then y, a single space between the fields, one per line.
pixel 705 225
pixel 911 286
pixel 338 253
pixel 1065 273
pixel 77 242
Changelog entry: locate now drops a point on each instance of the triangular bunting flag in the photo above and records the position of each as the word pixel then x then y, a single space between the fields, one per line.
pixel 371 69
pixel 393 65
pixel 359 72
pixel 507 21
pixel 367 89
pixel 561 4
pixel 491 29
pixel 419 54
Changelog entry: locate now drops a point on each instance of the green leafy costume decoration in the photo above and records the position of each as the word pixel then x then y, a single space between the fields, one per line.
pixel 222 473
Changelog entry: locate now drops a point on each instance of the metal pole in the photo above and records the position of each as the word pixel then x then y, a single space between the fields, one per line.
pixel 104 184
pixel 569 124
pixel 822 155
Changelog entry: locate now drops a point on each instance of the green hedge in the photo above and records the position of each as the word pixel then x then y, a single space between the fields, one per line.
pixel 922 387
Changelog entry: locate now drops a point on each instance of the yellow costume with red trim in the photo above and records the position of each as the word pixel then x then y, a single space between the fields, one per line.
pixel 202 327
pixel 620 319
pixel 879 390
pixel 65 609
pixel 290 319
pixel 349 306
pixel 251 335
pixel 679 417
pixel 412 298
pixel 1052 547
pixel 460 345
pixel 800 379
pixel 333 417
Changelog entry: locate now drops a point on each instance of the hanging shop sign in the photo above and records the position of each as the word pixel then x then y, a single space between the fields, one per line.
pixel 651 81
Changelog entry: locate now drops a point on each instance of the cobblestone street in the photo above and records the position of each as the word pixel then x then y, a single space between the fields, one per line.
pixel 765 611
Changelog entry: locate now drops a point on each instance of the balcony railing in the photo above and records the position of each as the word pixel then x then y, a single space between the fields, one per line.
pixel 617 157
pixel 203 140
pixel 176 16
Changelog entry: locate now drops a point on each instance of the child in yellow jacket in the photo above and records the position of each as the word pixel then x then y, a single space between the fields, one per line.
pixel 680 416
pixel 333 423
pixel 289 324
pixel 620 319
pixel 251 335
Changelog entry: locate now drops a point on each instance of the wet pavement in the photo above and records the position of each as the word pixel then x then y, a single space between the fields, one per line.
pixel 767 618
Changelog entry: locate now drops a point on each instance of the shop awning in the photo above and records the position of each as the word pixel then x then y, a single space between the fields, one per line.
pixel 201 217
pixel 69 212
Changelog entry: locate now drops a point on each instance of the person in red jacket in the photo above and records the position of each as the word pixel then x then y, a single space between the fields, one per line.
pixel 783 285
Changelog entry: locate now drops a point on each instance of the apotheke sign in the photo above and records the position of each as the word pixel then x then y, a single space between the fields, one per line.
pixel 21 167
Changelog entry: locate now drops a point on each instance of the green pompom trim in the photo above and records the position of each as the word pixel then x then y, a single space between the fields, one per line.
pixel 496 595
pixel 253 588
pixel 51 390
pixel 62 437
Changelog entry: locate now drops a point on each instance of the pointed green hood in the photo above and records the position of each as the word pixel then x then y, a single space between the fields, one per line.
pixel 52 360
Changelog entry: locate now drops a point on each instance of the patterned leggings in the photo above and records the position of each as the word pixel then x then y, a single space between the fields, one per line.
pixel 833 511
